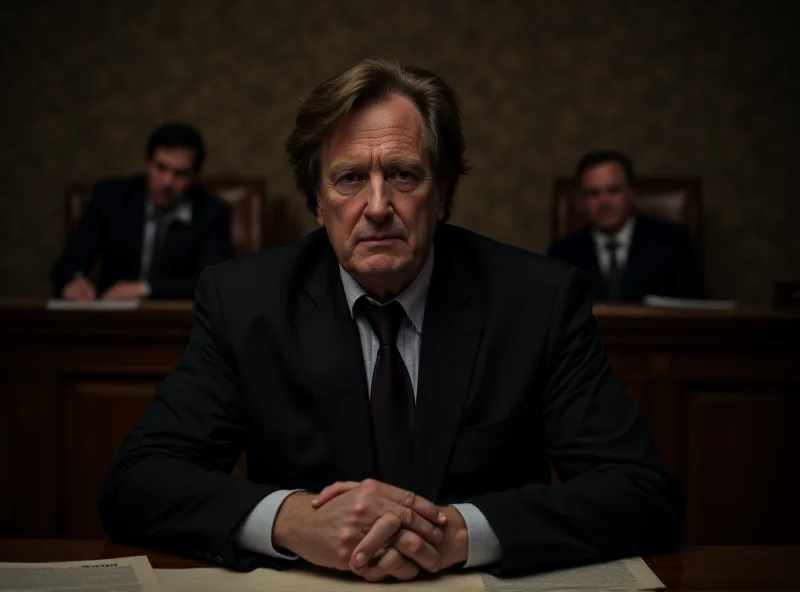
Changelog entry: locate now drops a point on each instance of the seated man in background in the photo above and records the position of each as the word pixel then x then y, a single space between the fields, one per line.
pixel 153 233
pixel 625 255
pixel 313 359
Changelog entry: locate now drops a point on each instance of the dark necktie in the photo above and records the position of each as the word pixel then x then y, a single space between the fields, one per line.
pixel 163 222
pixel 614 273
pixel 391 396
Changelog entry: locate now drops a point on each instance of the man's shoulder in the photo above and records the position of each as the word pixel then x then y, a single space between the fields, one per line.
pixel 111 187
pixel 209 200
pixel 274 266
pixel 661 231
pixel 501 262
pixel 572 241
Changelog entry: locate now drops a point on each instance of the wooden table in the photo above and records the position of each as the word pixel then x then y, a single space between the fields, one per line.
pixel 719 390
pixel 695 568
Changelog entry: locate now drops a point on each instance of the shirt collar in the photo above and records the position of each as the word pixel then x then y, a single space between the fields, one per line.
pixel 181 212
pixel 412 299
pixel 622 237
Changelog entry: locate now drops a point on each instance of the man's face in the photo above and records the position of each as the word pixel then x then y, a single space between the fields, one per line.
pixel 378 199
pixel 607 196
pixel 170 173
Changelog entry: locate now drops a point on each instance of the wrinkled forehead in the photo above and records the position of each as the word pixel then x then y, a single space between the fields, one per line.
pixel 391 125
pixel 174 158
pixel 604 174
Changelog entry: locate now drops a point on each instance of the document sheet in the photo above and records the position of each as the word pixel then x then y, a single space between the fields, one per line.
pixel 628 575
pixel 261 580
pixel 92 305
pixel 664 302
pixel 129 574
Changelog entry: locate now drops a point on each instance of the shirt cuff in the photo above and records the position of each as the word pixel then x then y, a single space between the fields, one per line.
pixel 255 533
pixel 483 544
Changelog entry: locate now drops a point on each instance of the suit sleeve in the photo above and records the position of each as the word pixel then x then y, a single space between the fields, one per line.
pixel 216 248
pixel 686 275
pixel 615 498
pixel 81 247
pixel 170 485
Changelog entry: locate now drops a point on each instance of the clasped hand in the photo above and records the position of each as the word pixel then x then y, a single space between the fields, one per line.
pixel 81 289
pixel 373 529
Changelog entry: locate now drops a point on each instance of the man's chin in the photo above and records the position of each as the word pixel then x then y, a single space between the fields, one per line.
pixel 162 201
pixel 381 264
pixel 611 227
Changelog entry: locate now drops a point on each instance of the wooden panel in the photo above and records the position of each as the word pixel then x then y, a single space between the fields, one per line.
pixel 743 447
pixel 97 417
pixel 660 409
pixel 7 428
pixel 38 437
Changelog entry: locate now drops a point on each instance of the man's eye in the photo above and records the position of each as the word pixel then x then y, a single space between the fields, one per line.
pixel 349 178
pixel 404 175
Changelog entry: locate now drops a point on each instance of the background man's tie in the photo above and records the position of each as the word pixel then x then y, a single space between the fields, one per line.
pixel 614 274
pixel 163 222
pixel 391 396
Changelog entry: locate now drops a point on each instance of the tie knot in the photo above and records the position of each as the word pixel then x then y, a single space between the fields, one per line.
pixel 611 246
pixel 385 320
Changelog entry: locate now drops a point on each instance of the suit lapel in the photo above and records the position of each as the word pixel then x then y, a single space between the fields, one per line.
pixel 178 233
pixel 454 317
pixel 179 236
pixel 135 219
pixel 334 367
pixel 591 266
pixel 632 271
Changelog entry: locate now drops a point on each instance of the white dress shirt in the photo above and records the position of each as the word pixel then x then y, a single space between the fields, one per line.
pixel 622 238
pixel 255 533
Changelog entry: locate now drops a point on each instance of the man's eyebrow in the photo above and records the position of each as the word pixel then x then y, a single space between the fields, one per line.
pixel 393 162
pixel 404 162
pixel 165 167
pixel 343 167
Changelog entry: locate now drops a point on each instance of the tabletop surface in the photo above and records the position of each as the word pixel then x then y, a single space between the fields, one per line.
pixel 694 568
pixel 601 309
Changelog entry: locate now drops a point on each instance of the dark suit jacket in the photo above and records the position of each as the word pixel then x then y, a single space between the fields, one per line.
pixel 113 229
pixel 512 374
pixel 661 261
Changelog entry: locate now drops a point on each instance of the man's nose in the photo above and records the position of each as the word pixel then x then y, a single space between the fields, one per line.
pixel 378 199
pixel 606 198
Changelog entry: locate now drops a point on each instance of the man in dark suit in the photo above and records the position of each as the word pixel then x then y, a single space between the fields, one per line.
pixel 373 444
pixel 153 233
pixel 627 256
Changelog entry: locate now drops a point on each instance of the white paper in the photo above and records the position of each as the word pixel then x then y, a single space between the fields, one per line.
pixel 92 305
pixel 626 575
pixel 664 302
pixel 215 579
pixel 127 574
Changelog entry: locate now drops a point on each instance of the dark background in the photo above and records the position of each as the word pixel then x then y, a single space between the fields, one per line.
pixel 685 87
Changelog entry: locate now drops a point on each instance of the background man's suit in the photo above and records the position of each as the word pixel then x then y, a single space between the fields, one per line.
pixel 661 261
pixel 113 228
pixel 512 374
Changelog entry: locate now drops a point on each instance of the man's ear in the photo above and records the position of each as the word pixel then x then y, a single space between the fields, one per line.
pixel 320 219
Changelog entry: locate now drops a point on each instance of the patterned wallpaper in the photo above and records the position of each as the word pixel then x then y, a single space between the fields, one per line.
pixel 695 88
